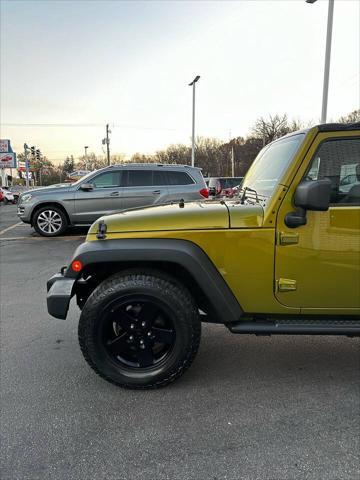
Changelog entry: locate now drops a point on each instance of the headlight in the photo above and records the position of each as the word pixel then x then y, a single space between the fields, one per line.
pixel 25 198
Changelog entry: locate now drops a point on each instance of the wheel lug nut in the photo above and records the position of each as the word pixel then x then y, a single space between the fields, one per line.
pixel 132 326
pixel 142 342
pixel 131 338
pixel 143 324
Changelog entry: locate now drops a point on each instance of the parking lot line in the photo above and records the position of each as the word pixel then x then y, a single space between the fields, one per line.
pixel 11 227
pixel 65 238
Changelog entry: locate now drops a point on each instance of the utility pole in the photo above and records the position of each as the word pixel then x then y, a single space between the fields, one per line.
pixel 192 84
pixel 232 162
pixel 26 149
pixel 107 144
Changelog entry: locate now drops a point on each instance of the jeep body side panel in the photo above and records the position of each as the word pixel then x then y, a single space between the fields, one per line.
pixel 244 257
pixel 224 306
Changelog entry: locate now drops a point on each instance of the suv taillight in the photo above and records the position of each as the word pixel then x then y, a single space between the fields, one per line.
pixel 204 192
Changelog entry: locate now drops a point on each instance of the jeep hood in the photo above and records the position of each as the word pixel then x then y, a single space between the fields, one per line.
pixel 192 216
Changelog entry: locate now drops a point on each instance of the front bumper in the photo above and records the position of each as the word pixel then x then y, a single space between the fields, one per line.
pixel 24 212
pixel 60 291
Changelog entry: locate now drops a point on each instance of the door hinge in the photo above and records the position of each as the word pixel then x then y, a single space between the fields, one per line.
pixel 286 285
pixel 288 238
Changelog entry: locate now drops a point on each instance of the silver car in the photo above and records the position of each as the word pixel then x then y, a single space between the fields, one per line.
pixel 50 210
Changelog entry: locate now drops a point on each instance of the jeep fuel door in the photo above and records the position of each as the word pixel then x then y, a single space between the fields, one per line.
pixel 317 265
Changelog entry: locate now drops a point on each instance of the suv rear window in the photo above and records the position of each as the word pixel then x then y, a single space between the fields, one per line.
pixel 147 178
pixel 226 182
pixel 179 178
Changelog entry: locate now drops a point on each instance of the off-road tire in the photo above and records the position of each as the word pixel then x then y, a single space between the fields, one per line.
pixel 160 287
pixel 59 214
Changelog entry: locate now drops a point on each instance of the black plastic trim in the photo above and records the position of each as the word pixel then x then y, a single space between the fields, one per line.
pixel 60 290
pixel 338 127
pixel 224 306
pixel 317 327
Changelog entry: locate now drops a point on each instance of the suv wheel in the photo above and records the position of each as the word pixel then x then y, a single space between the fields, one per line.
pixel 140 330
pixel 50 221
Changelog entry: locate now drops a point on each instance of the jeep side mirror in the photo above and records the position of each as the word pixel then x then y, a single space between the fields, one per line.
pixel 309 195
pixel 313 195
pixel 86 187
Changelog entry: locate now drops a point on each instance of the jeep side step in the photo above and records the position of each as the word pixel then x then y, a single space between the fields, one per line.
pixel 298 327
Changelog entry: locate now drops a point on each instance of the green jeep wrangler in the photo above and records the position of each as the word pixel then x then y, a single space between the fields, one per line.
pixel 281 258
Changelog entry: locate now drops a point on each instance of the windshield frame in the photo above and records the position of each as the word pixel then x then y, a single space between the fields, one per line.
pixel 250 179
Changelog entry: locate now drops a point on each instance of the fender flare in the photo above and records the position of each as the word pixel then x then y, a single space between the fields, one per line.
pixel 188 255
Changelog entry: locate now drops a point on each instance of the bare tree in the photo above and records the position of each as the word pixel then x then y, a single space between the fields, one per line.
pixel 272 128
pixel 352 117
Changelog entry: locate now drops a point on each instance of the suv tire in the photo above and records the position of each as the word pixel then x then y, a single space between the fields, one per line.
pixel 50 221
pixel 140 330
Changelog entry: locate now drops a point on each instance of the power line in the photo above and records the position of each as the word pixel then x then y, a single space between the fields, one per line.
pixel 87 125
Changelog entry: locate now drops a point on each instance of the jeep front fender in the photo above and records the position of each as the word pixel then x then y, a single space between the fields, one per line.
pixel 224 306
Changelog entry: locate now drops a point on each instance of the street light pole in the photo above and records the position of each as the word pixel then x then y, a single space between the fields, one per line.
pixel 327 59
pixel 85 148
pixel 26 149
pixel 192 84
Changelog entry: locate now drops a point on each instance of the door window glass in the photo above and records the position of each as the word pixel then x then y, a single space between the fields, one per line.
pixel 159 178
pixel 107 179
pixel 179 178
pixel 339 161
pixel 140 178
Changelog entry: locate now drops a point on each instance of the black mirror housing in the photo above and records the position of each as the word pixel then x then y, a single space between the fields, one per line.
pixel 313 195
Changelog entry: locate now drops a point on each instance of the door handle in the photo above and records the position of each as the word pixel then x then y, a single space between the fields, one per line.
pixel 114 194
pixel 156 192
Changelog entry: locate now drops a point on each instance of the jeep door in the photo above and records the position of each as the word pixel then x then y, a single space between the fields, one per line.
pixel 317 265
pixel 104 198
pixel 143 187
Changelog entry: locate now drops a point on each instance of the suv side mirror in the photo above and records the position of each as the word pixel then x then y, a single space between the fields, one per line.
pixel 86 187
pixel 309 195
pixel 313 195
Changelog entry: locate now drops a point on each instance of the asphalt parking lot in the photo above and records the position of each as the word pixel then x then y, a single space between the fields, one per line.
pixel 249 407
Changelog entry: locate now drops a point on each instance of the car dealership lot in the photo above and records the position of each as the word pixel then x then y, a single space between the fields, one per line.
pixel 250 407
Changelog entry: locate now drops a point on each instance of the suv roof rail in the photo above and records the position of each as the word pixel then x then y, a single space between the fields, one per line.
pixel 149 165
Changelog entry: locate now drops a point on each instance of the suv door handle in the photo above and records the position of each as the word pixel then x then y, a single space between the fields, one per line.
pixel 114 194
pixel 156 192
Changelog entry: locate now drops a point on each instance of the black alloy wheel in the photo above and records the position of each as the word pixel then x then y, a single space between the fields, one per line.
pixel 140 330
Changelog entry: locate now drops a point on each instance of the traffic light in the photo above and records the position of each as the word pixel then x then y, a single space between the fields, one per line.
pixel 37 154
pixel 32 150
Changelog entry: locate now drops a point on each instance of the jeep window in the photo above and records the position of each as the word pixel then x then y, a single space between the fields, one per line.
pixel 107 179
pixel 179 178
pixel 339 161
pixel 139 178
pixel 268 168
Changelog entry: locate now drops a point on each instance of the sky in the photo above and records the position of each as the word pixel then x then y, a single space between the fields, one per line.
pixel 70 67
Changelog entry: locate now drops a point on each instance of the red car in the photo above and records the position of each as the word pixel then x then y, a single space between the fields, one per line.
pixel 1 196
